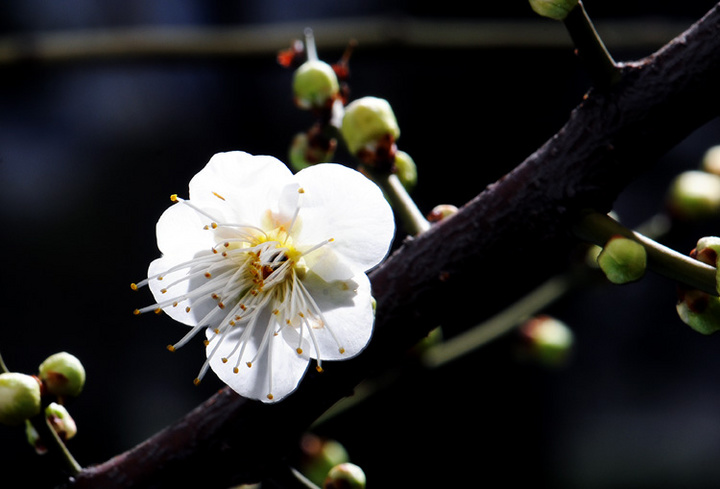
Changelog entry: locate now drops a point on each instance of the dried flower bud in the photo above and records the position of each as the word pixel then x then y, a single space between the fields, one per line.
pixel 622 260
pixel 61 421
pixel 367 121
pixel 345 476
pixel 19 398
pixel 406 170
pixel 442 211
pixel 711 160
pixel 554 9
pixel 694 195
pixel 315 85
pixel 547 340
pixel 63 374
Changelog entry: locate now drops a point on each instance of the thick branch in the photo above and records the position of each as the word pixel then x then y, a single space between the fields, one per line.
pixel 511 237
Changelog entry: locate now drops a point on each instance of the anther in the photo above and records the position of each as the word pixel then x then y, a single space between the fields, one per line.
pixel 235 370
pixel 341 349
pixel 133 286
pixel 270 396
pixel 299 350
pixel 319 369
pixel 170 348
pixel 174 197
pixel 158 311
pixel 224 360
pixel 208 275
pixel 249 364
pixel 218 196
pixel 136 312
pixel 196 381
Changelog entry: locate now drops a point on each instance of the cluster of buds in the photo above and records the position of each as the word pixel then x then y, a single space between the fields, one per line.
pixel 367 126
pixel 325 463
pixel 24 397
pixel 698 309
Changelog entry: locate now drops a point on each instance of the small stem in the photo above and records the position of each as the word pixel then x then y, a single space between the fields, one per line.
pixel 310 45
pixel 401 201
pixel 601 66
pixel 3 367
pixel 61 449
pixel 599 228
pixel 503 322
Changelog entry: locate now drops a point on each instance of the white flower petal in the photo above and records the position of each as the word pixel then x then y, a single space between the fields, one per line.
pixel 239 186
pixel 342 204
pixel 346 307
pixel 276 371
pixel 180 232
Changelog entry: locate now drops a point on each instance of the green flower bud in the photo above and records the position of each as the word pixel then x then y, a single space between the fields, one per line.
pixel 622 260
pixel 61 421
pixel 554 9
pixel 708 252
pixel 19 398
pixel 63 374
pixel 305 152
pixel 405 170
pixel 345 476
pixel 319 456
pixel 699 310
pixel 442 211
pixel 695 195
pixel 711 160
pixel 315 85
pixel 547 340
pixel 367 121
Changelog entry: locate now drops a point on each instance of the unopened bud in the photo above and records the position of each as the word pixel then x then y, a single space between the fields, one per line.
pixel 547 340
pixel 622 260
pixel 442 211
pixel 711 160
pixel 699 310
pixel 61 421
pixel 554 9
pixel 320 455
pixel 19 398
pixel 308 149
pixel 63 374
pixel 695 195
pixel 315 85
pixel 345 476
pixel 406 170
pixel 708 252
pixel 368 121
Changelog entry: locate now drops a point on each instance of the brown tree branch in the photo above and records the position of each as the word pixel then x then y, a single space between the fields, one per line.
pixel 511 236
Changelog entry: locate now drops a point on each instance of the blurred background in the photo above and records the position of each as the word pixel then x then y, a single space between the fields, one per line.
pixel 91 147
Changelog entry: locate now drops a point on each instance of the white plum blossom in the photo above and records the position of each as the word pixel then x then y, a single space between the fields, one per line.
pixel 272 266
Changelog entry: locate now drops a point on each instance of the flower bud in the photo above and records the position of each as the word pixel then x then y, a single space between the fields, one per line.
pixel 699 310
pixel 711 160
pixel 319 456
pixel 405 170
pixel 345 476
pixel 554 9
pixel 61 421
pixel 694 195
pixel 19 397
pixel 442 211
pixel 315 85
pixel 308 148
pixel 708 252
pixel 366 122
pixel 547 340
pixel 63 374
pixel 622 260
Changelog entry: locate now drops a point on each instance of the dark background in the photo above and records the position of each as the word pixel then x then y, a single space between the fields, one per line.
pixel 91 150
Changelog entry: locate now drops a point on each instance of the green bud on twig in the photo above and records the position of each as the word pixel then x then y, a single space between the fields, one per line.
pixel 19 398
pixel 345 476
pixel 442 211
pixel 694 195
pixel 61 421
pixel 63 374
pixel 547 340
pixel 708 252
pixel 553 9
pixel 711 160
pixel 405 170
pixel 319 456
pixel 699 310
pixel 622 260
pixel 315 85
pixel 366 122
